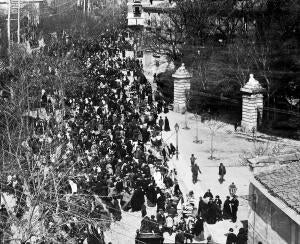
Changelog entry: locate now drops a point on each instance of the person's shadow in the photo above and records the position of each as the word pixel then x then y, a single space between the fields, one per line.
pixel 221 180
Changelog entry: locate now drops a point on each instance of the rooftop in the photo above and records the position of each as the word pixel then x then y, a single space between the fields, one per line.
pixel 283 183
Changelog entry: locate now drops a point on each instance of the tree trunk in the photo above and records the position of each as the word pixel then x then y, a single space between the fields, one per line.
pixel 211 147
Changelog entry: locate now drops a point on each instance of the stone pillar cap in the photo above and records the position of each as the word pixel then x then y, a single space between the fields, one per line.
pixel 182 73
pixel 252 86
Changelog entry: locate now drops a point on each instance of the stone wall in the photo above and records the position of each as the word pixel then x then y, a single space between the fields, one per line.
pixel 263 163
pixel 268 223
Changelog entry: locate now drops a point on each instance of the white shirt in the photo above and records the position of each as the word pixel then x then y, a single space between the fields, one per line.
pixel 176 220
pixel 73 186
pixel 169 222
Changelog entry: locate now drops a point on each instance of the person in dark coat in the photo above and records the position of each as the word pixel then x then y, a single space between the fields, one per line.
pixel 159 107
pixel 198 227
pixel 160 217
pixel 236 124
pixel 44 99
pixel 137 200
pixel 208 194
pixel 168 182
pixel 218 203
pixel 242 237
pixel 150 99
pixel 119 186
pixel 195 171
pixel 227 213
pixel 164 154
pixel 161 123
pixel 173 149
pixel 211 216
pixel 179 237
pixel 154 77
pixel 234 207
pixel 193 159
pixel 151 195
pixel 166 109
pixel 222 172
pixel 3 217
pixel 167 125
pixel 144 210
pixel 177 191
pixel 202 207
pixel 231 237
pixel 161 202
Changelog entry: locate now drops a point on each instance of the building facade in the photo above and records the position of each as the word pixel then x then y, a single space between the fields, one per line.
pixel 274 204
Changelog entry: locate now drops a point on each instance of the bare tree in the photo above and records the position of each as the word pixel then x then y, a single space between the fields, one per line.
pixel 214 126
pixel 240 61
pixel 43 165
pixel 166 35
pixel 200 66
pixel 188 98
pixel 197 140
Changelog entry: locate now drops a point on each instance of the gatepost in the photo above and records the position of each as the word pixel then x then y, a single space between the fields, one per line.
pixel 252 105
pixel 182 82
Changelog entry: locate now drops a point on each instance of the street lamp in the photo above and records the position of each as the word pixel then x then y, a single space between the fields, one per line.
pixel 176 129
pixel 232 189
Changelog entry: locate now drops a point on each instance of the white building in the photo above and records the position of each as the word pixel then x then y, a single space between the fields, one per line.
pixel 145 12
pixel 135 14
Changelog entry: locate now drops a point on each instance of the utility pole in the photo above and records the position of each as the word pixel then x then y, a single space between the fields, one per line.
pixel 113 9
pixel 88 7
pixel 8 25
pixel 84 6
pixel 19 10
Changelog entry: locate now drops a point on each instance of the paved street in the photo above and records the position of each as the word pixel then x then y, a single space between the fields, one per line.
pixel 227 153
pixel 229 149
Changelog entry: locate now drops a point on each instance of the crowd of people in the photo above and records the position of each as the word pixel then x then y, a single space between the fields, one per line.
pixel 110 144
pixel 213 210
pixel 100 142
pixel 181 217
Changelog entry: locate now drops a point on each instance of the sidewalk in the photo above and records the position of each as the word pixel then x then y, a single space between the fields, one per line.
pixel 228 150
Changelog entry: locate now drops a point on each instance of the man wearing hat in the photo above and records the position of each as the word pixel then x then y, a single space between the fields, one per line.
pixel 231 237
pixel 180 237
pixel 234 208
pixel 3 215
pixel 160 217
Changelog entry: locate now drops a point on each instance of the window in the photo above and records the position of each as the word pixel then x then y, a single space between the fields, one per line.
pixel 137 11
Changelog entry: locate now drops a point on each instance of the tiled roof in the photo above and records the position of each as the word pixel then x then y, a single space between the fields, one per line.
pixel 283 183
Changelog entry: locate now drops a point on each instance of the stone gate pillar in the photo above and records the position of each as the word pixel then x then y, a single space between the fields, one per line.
pixel 182 82
pixel 252 104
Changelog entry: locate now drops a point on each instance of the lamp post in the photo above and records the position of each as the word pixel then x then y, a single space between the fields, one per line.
pixel 176 129
pixel 232 189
